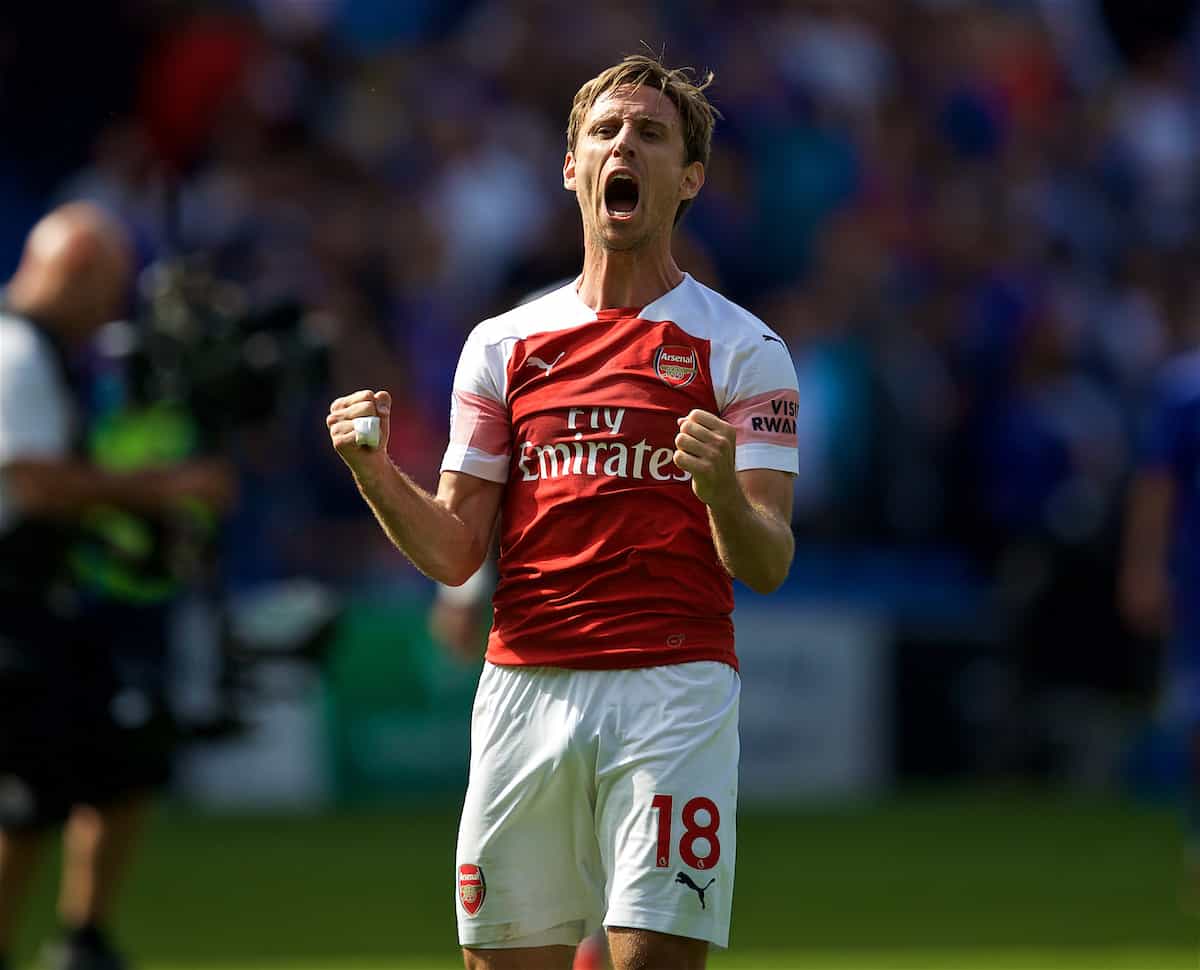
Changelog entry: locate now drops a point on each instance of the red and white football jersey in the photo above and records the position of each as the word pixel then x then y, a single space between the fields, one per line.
pixel 606 556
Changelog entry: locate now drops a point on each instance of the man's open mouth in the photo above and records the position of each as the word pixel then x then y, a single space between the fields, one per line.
pixel 621 195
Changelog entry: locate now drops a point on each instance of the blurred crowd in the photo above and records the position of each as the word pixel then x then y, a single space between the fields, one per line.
pixel 974 223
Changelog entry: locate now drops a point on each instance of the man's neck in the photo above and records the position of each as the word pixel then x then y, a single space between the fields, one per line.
pixel 632 278
pixel 15 300
pixel 19 304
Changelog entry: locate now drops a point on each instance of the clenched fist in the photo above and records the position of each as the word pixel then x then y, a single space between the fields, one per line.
pixel 706 447
pixel 340 421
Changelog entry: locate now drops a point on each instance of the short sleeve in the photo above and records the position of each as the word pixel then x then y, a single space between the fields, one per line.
pixel 761 398
pixel 34 412
pixel 1157 436
pixel 480 427
pixel 1169 425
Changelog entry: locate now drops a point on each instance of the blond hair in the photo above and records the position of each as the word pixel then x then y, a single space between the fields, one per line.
pixel 696 112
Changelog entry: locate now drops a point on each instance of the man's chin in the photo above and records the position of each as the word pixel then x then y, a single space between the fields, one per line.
pixel 620 237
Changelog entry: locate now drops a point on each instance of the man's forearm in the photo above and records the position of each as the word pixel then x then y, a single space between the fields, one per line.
pixel 435 540
pixel 1148 521
pixel 62 487
pixel 755 544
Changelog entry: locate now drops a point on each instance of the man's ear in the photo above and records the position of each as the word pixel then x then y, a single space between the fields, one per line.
pixel 569 172
pixel 693 179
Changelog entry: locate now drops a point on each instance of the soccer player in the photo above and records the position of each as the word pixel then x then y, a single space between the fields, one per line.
pixel 634 432
pixel 1160 579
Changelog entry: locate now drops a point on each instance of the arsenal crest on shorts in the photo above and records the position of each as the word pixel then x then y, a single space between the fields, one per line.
pixel 676 364
pixel 471 888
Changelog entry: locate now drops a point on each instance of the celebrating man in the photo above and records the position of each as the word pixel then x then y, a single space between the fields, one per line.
pixel 635 433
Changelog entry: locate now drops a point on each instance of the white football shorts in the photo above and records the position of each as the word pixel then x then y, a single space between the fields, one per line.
pixel 599 797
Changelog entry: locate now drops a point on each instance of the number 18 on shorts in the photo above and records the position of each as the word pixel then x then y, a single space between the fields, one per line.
pixel 599 797
pixel 701 825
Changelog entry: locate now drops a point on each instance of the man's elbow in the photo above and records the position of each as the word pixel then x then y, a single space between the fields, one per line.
pixel 458 572
pixel 455 576
pixel 771 576
pixel 768 582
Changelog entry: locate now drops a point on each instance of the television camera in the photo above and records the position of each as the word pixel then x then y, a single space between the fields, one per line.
pixel 198 361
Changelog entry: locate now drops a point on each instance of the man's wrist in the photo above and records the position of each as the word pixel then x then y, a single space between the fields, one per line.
pixel 731 505
pixel 370 472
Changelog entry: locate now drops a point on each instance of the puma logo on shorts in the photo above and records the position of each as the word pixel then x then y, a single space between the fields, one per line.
pixel 684 879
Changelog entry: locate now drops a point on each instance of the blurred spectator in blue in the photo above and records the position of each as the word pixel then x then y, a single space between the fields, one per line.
pixel 1160 578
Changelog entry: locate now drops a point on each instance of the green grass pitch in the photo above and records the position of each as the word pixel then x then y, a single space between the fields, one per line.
pixel 984 881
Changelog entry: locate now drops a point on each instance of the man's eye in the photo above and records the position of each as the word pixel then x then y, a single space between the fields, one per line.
pixel 651 133
pixel 604 131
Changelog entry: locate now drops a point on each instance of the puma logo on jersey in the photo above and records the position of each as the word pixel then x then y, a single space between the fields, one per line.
pixel 767 336
pixel 538 362
pixel 685 880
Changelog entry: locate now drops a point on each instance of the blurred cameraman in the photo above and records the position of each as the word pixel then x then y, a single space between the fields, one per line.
pixel 70 752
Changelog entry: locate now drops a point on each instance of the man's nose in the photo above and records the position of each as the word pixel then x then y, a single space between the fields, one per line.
pixel 623 142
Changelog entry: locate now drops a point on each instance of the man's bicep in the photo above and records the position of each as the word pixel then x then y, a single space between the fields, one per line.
pixel 474 500
pixel 769 489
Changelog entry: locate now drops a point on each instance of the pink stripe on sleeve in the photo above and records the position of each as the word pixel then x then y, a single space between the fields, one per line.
pixel 480 423
pixel 768 418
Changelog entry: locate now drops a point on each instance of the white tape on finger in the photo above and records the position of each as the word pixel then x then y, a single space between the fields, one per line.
pixel 366 432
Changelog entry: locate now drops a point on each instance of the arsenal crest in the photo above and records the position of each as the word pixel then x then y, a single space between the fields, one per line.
pixel 676 364
pixel 471 888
